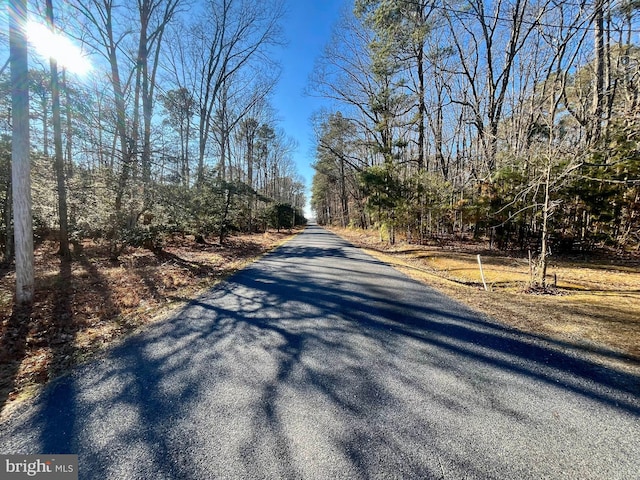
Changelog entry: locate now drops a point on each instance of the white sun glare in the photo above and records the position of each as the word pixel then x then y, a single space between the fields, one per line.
pixel 57 46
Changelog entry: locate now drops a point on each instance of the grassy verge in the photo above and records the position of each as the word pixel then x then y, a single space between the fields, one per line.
pixel 86 305
pixel 596 307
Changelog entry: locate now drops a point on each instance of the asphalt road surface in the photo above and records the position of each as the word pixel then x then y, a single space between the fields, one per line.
pixel 320 362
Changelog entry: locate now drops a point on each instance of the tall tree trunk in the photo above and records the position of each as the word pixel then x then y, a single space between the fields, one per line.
pixel 438 134
pixel 344 200
pixel 421 108
pixel 20 161
pixel 422 113
pixel 250 126
pixel 598 94
pixel 69 145
pixel 186 168
pixel 181 166
pixel 222 126
pixel 147 112
pixel 126 146
pixel 203 136
pixel 57 141
pixel 8 215
pixel 44 104
pixel 546 213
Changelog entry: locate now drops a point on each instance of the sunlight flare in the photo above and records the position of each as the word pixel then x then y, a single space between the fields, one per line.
pixel 52 45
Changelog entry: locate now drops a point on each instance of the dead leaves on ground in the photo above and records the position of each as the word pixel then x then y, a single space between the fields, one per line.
pixel 86 304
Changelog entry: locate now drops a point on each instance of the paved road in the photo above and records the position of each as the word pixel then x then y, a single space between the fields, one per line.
pixel 319 362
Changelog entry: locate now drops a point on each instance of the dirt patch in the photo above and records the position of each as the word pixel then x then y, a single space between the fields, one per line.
pixel 85 305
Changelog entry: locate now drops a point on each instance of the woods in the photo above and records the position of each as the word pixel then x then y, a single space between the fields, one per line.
pixel 512 121
pixel 170 133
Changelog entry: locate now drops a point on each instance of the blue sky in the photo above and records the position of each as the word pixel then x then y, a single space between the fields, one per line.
pixel 307 28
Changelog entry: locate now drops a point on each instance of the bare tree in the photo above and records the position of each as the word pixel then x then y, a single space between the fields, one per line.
pixel 245 96
pixel 154 15
pixel 401 31
pixel 343 74
pixel 179 105
pixel 477 38
pixel 593 134
pixel 101 31
pixel 230 35
pixel 57 141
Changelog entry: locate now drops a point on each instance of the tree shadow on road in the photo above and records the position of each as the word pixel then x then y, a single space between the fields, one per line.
pixel 335 371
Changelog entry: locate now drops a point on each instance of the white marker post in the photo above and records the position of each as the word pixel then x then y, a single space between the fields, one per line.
pixel 482 273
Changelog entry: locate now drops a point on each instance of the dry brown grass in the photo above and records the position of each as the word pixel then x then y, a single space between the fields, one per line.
pixel 81 307
pixel 596 306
